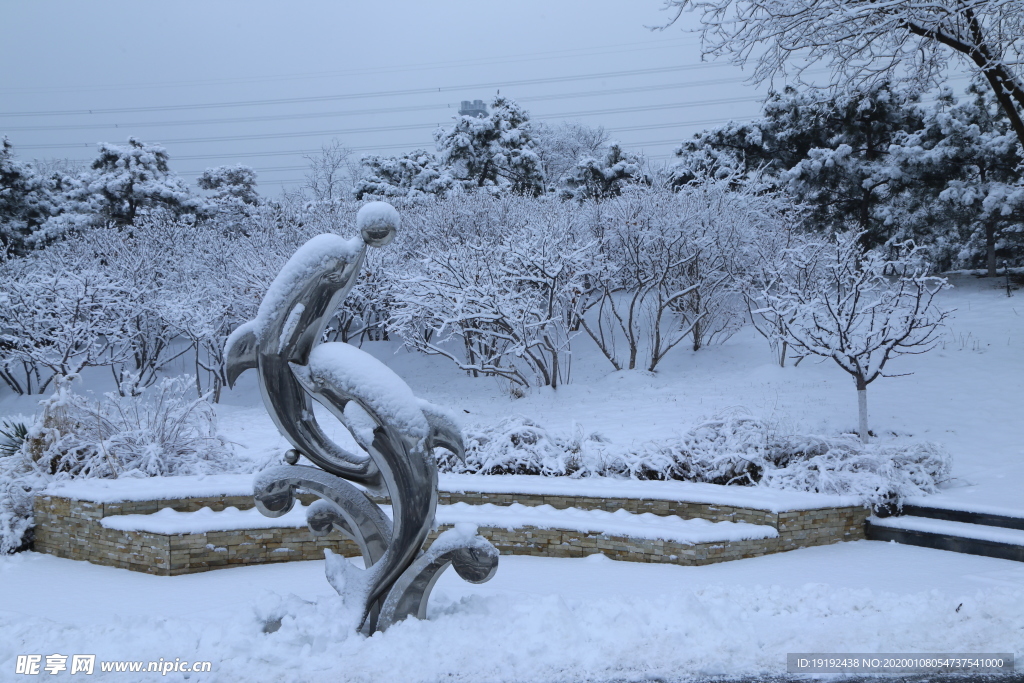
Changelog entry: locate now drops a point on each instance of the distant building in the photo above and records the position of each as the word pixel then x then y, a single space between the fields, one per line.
pixel 475 108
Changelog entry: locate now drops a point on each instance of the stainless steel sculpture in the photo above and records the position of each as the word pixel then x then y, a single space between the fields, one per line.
pixel 283 345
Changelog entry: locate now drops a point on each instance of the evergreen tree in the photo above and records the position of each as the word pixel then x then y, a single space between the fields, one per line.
pixel 124 182
pixel 26 201
pixel 230 184
pixel 734 150
pixel 604 177
pixel 234 198
pixel 962 174
pixel 493 151
pixel 846 177
pixel 413 174
pixel 832 154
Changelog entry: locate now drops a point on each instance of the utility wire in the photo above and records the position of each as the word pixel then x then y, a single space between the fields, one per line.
pixel 377 111
pixel 354 96
pixel 416 126
pixel 617 48
pixel 411 146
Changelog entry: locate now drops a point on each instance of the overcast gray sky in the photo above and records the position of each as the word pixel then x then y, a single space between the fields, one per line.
pixel 262 83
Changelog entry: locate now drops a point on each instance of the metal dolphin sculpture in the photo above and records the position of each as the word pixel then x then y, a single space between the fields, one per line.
pixel 283 345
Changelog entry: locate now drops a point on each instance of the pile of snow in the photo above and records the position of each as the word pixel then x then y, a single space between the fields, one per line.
pixel 515 516
pixel 618 523
pixel 733 449
pixel 160 432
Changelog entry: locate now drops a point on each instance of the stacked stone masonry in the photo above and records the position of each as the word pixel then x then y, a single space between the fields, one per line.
pixel 72 529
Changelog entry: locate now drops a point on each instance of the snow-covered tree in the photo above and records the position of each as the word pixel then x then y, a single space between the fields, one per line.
pixel 234 197
pixel 736 150
pixel 630 307
pixel 962 177
pixel 409 175
pixel 766 262
pixel 665 271
pixel 599 178
pixel 495 286
pixel 59 313
pixel 846 178
pixel 832 154
pixel 123 183
pixel 332 173
pixel 562 146
pixel 230 184
pixel 493 151
pixel 26 201
pixel 859 308
pixel 871 41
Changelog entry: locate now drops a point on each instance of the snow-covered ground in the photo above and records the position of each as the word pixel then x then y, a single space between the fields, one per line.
pixel 539 619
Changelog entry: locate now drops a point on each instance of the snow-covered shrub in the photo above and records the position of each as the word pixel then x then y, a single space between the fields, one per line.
pixel 495 286
pixel 160 432
pixel 876 473
pixel 516 445
pixel 720 450
pixel 733 448
pixel 17 488
pixel 59 313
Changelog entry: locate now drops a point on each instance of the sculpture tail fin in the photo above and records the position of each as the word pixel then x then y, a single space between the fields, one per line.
pixel 240 352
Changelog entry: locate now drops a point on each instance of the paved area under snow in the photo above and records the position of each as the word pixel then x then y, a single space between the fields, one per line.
pixel 539 619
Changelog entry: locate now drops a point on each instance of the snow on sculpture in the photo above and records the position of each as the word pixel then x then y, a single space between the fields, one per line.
pixel 283 345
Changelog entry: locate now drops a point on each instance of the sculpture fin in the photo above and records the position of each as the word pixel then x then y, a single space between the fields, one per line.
pixel 444 429
pixel 240 352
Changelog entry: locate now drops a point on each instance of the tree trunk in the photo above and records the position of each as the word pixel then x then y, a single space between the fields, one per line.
pixel 862 410
pixel 990 249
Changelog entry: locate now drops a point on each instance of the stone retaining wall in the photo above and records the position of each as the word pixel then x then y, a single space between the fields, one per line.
pixel 72 529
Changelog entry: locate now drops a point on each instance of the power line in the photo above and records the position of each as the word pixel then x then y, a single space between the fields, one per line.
pixel 358 112
pixel 411 146
pixel 418 126
pixel 306 167
pixel 483 61
pixel 353 96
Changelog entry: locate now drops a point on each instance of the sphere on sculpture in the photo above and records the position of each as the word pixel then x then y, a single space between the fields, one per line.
pixel 377 222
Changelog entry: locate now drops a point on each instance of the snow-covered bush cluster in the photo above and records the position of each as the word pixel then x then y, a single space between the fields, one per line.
pixel 733 448
pixel 160 294
pixel 161 431
pixel 505 286
pixel 502 285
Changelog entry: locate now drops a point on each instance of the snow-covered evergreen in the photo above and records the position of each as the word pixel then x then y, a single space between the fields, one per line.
pixel 493 151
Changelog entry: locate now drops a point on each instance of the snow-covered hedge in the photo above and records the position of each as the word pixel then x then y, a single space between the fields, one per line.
pixel 161 432
pixel 733 448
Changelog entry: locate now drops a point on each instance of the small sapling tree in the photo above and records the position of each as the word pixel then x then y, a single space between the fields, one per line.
pixel 860 309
